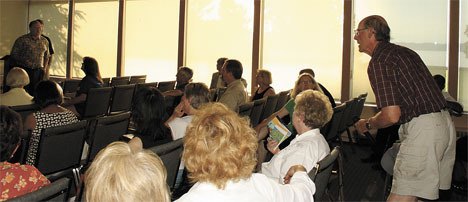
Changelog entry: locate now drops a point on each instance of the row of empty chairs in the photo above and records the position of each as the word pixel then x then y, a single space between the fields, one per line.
pixel 124 80
pixel 344 116
pixel 70 86
pixel 108 100
pixel 99 102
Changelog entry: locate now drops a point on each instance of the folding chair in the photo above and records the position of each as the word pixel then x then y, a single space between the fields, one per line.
pixel 121 98
pixel 170 154
pixel 256 112
pixel 245 109
pixel 60 148
pixel 55 191
pixel 321 173
pixel 107 129
pixel 117 81
pixel 97 102
pixel 164 86
pixel 137 79
pixel 25 110
pixel 270 106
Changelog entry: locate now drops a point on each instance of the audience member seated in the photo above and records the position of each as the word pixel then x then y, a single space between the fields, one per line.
pixel 311 112
pixel 235 94
pixel 453 104
pixel 324 90
pixel 304 82
pixel 121 173
pixel 16 79
pixel 195 95
pixel 264 85
pixel 183 77
pixel 220 155
pixel 148 115
pixel 15 179
pixel 92 79
pixel 216 80
pixel 48 97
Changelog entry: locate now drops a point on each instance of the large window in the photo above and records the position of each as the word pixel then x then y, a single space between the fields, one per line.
pixel 409 22
pixel 303 34
pixel 463 71
pixel 55 17
pixel 219 28
pixel 151 39
pixel 95 35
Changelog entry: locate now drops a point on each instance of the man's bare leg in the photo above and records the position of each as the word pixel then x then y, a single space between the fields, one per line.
pixel 401 198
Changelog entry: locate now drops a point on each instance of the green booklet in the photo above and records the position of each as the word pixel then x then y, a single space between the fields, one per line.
pixel 278 131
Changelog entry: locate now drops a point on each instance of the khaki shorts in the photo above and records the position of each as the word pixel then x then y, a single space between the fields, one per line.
pixel 427 153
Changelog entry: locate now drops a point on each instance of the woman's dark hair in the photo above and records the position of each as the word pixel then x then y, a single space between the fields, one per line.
pixel 11 127
pixel 48 93
pixel 149 113
pixel 91 68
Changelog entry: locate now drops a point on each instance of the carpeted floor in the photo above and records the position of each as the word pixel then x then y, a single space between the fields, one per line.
pixel 361 182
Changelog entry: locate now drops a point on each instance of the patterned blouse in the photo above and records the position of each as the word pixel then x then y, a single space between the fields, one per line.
pixel 46 120
pixel 17 180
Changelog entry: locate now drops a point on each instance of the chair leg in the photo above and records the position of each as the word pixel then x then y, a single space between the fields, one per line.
pixel 349 135
pixel 76 176
pixel 387 186
pixel 351 140
pixel 340 178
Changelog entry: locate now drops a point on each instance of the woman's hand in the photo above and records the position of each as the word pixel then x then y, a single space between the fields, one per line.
pixel 272 146
pixel 179 110
pixel 177 113
pixel 291 171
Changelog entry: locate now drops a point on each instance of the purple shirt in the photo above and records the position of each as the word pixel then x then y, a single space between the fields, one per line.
pixel 398 76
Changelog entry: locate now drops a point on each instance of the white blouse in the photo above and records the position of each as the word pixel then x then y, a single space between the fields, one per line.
pixel 257 188
pixel 306 149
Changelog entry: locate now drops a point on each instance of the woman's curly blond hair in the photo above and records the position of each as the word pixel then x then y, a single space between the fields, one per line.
pixel 315 108
pixel 219 146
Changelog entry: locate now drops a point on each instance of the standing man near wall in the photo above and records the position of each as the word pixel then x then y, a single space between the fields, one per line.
pixel 406 94
pixel 31 52
pixel 51 52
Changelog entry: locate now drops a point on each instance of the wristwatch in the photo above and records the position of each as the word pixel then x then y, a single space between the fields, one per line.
pixel 368 125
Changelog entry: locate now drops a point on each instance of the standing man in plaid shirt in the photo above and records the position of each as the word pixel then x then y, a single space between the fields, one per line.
pixel 406 94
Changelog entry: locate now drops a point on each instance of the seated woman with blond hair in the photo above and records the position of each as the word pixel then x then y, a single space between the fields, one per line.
pixel 311 112
pixel 220 155
pixel 17 79
pixel 304 82
pixel 120 173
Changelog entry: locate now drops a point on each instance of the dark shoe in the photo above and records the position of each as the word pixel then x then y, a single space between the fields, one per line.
pixel 371 159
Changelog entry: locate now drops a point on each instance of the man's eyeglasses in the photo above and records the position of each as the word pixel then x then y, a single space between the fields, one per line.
pixel 356 32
